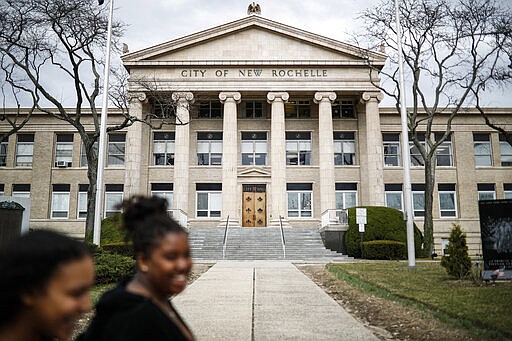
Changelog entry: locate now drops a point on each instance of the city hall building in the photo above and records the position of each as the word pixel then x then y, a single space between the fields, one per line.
pixel 283 126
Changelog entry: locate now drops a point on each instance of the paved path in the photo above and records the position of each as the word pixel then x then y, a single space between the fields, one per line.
pixel 264 300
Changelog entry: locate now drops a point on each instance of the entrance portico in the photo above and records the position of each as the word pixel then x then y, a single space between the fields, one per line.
pixel 272 69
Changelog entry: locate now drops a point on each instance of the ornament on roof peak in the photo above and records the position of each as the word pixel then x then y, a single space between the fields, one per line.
pixel 254 8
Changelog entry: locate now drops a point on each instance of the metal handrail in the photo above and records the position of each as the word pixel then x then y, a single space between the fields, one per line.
pixel 224 242
pixel 283 242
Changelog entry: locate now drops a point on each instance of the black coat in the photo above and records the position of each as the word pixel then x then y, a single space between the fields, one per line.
pixel 121 315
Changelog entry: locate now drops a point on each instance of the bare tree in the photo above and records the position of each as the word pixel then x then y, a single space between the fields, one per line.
pixel 452 51
pixel 44 40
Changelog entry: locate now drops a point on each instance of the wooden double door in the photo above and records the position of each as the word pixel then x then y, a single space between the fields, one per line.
pixel 254 204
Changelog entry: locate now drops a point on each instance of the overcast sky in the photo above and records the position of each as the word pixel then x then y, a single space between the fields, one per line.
pixel 152 22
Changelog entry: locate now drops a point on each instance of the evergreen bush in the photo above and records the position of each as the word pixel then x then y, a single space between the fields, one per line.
pixel 110 230
pixel 384 249
pixel 383 223
pixel 457 262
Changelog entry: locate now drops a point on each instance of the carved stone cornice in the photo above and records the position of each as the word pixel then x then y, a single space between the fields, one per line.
pixel 277 96
pixel 183 96
pixel 324 96
pixel 371 96
pixel 228 96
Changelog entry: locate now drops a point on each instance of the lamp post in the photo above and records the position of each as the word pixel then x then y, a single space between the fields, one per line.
pixel 103 133
pixel 406 159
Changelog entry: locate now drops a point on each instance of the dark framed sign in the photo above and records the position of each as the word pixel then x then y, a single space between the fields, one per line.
pixel 496 233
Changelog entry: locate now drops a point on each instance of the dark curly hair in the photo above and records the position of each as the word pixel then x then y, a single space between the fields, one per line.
pixel 28 263
pixel 145 221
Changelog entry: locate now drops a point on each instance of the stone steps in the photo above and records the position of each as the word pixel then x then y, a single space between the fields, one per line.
pixel 302 244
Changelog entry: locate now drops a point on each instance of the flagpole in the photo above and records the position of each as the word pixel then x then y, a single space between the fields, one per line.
pixel 103 133
pixel 406 159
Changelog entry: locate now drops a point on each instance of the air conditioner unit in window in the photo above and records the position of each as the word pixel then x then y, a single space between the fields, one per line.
pixel 61 164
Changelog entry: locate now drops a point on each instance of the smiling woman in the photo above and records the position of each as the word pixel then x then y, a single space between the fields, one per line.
pixel 140 308
pixel 45 285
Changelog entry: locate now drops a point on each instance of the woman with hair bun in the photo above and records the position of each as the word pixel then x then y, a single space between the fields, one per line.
pixel 45 279
pixel 140 308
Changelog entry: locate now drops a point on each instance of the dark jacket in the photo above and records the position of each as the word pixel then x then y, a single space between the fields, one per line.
pixel 121 315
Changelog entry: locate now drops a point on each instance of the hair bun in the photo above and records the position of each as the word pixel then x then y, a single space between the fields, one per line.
pixel 138 208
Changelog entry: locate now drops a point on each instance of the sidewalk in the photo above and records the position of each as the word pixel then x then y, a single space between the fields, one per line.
pixel 264 300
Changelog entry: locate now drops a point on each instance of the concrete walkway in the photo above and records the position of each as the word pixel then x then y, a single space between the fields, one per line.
pixel 264 300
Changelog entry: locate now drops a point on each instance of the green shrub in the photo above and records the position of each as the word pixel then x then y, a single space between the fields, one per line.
pixel 457 261
pixel 111 268
pixel 110 230
pixel 123 249
pixel 383 223
pixel 384 249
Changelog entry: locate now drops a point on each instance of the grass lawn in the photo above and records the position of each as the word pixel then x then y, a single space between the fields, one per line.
pixel 484 310
pixel 98 290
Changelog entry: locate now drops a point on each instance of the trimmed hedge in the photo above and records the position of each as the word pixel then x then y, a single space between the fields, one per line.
pixel 384 249
pixel 123 249
pixel 383 223
pixel 111 268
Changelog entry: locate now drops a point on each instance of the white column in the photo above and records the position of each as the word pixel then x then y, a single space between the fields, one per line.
pixel 133 147
pixel 182 150
pixel 230 196
pixel 326 148
pixel 278 156
pixel 375 177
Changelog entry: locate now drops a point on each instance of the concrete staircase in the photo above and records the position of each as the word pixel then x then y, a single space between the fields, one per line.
pixel 302 244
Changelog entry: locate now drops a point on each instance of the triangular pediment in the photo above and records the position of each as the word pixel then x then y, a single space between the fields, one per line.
pixel 254 172
pixel 251 39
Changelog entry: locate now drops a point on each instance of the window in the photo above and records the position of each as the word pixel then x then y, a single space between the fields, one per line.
pixel 210 109
pixel 60 201
pixel 209 149
pixel 346 195
pixel 2 186
pixel 116 146
pixel 343 109
pixel 300 200
pixel 483 149
pixel 298 148
pixel 3 153
pixel 418 199
pixel 83 155
pixel 344 148
pixel 113 197
pixel 21 190
pixel 163 108
pixel 163 149
pixel 254 148
pixel 163 190
pixel 447 200
pixel 444 154
pixel 507 191
pixel 253 109
pixel 505 151
pixel 486 192
pixel 209 200
pixel 394 196
pixel 82 201
pixel 24 150
pixel 391 145
pixel 64 150
pixel 297 109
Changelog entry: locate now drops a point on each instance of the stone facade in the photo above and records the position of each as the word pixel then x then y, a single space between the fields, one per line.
pixel 272 69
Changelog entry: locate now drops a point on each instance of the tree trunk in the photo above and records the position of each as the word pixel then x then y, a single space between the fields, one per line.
pixel 428 223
